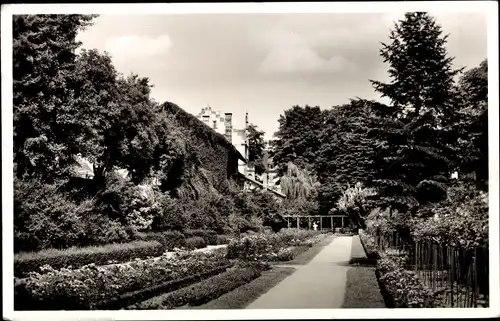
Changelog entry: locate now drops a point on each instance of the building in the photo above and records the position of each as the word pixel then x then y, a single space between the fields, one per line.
pixel 222 123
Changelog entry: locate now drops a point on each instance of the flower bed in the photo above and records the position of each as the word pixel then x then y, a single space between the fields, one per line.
pixel 85 287
pixel 144 294
pixel 369 245
pixel 204 291
pixel 77 257
pixel 401 288
pixel 272 246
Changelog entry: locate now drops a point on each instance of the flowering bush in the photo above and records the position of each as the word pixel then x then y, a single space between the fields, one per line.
pixel 253 247
pixel 406 290
pixel 369 245
pixel 284 255
pixel 266 246
pixel 464 224
pixel 353 202
pixel 84 287
pixel 295 236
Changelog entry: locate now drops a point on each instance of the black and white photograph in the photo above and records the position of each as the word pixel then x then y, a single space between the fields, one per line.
pixel 250 160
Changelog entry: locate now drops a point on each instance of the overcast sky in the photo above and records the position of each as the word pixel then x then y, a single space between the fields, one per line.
pixel 265 63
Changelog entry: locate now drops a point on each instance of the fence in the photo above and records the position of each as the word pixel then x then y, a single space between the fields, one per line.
pixel 458 276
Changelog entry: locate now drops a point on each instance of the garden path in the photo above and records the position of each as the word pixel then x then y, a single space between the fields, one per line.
pixel 320 284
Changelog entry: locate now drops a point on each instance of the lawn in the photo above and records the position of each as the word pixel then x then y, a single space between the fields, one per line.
pixel 362 289
pixel 247 293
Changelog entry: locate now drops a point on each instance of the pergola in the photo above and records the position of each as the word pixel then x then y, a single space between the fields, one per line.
pixel 331 219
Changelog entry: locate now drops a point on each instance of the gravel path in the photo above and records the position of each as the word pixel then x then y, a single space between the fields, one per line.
pixel 319 284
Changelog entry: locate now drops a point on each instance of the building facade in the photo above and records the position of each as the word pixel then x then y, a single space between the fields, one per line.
pixel 222 123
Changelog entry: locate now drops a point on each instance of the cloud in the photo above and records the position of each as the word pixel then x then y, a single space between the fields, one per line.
pixel 134 47
pixel 293 54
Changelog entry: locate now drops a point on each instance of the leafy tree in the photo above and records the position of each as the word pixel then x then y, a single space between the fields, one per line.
pixel 473 85
pixel 420 69
pixel 256 147
pixel 45 132
pixel 118 118
pixel 297 183
pixel 297 138
pixel 348 152
pixel 301 191
pixel 472 123
pixel 353 203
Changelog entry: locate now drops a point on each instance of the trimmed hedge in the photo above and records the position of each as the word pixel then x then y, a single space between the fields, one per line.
pixel 169 239
pixel 210 236
pixel 223 239
pixel 196 242
pixel 76 257
pixel 202 292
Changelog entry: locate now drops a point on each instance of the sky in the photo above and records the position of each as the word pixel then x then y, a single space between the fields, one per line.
pixel 264 64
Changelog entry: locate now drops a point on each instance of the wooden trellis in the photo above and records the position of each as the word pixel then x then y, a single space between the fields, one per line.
pixel 314 218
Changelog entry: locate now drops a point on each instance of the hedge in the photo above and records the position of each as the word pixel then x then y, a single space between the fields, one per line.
pixel 196 242
pixel 77 257
pixel 210 236
pixel 169 239
pixel 202 292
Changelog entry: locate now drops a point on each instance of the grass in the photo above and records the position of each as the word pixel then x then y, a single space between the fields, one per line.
pixel 358 254
pixel 201 292
pixel 362 290
pixel 247 293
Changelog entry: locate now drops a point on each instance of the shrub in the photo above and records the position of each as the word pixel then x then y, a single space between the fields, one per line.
pixel 102 230
pixel 430 191
pixel 210 236
pixel 251 247
pixel 296 236
pixel 45 218
pixel 285 255
pixel 77 257
pixel 202 292
pixel 170 239
pixel 463 224
pixel 369 245
pixel 353 202
pixel 403 286
pixel 169 214
pixel 88 286
pixel 195 242
pixel 122 201
pixel 223 239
